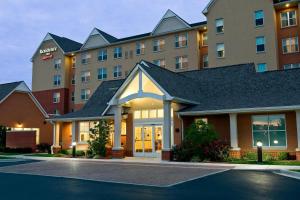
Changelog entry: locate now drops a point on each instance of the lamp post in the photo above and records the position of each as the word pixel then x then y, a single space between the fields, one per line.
pixel 74 149
pixel 259 145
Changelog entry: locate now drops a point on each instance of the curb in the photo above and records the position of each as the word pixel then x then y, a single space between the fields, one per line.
pixel 287 173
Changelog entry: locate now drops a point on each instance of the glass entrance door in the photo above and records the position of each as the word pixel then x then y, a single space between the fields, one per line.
pixel 147 141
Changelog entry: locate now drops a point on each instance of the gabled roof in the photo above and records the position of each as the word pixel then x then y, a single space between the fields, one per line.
pixel 107 36
pixel 66 45
pixel 207 7
pixel 181 24
pixel 96 105
pixel 98 38
pixel 9 88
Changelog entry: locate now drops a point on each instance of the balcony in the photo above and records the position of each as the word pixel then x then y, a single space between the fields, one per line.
pixel 281 4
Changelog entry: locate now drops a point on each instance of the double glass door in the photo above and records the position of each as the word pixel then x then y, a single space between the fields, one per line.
pixel 148 140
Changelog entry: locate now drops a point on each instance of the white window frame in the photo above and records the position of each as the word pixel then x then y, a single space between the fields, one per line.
pixel 159 44
pixel 291 66
pixel 220 20
pixel 57 64
pixel 257 44
pixel 160 62
pixel 117 73
pixel 85 58
pixel 204 35
pixel 266 67
pixel 181 40
pixel 86 94
pixel 57 80
pixel 290 39
pixel 181 61
pixel 85 76
pixel 205 60
pixel 140 48
pixel 223 49
pixel 102 55
pixel 288 18
pixel 102 71
pixel 255 18
pixel 56 97
pixel 118 52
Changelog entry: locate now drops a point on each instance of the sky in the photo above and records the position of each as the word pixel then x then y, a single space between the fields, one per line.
pixel 24 24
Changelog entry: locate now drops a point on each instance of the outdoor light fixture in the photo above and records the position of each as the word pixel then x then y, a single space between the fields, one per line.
pixel 74 149
pixel 287 5
pixel 259 145
pixel 275 141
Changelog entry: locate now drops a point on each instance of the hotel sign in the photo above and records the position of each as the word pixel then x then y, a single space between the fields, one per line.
pixel 47 53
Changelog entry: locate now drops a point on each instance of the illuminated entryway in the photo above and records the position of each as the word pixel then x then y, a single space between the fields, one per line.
pixel 148 140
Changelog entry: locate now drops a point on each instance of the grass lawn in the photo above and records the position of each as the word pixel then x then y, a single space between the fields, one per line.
pixel 295 170
pixel 279 162
pixel 3 157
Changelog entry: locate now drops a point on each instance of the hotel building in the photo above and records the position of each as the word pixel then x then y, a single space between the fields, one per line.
pixel 105 78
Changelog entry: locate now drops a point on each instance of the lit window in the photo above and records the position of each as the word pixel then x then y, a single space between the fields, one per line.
pixel 160 113
pixel 74 62
pixel 288 19
pixel 201 119
pixel 102 55
pixel 117 71
pixel 85 76
pixel 205 61
pixel 118 52
pixel 145 114
pixel 137 114
pixel 260 44
pixel 85 58
pixel 85 130
pixel 220 50
pixel 204 39
pixel 270 130
pixel 259 18
pixel 57 64
pixel 56 80
pixel 291 66
pixel 181 40
pixel 153 114
pixel 220 25
pixel 140 48
pixel 160 62
pixel 102 73
pixel 181 62
pixel 85 94
pixel 158 45
pixel 56 97
pixel 290 45
pixel 261 67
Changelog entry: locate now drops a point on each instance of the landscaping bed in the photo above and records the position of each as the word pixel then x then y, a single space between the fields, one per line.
pixel 270 162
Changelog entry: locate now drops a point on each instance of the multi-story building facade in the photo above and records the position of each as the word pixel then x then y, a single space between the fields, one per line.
pixel 265 32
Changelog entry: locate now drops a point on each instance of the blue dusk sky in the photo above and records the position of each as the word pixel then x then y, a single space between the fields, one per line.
pixel 24 24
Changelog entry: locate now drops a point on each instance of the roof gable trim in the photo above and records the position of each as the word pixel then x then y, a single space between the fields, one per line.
pixel 94 32
pixel 206 9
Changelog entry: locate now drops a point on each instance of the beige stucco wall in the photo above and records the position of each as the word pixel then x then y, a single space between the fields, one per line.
pixel 43 70
pixel 169 53
pixel 240 33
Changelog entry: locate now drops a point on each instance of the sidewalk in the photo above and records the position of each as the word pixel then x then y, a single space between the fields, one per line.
pixel 160 162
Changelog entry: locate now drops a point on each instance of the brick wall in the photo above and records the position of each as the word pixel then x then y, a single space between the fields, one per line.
pixel 24 139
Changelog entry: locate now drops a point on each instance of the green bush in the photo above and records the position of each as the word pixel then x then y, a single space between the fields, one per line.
pixel 44 148
pixel 80 153
pixel 250 156
pixel 283 156
pixel 64 152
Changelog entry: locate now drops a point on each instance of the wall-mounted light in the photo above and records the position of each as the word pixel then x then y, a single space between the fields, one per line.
pixel 19 125
pixel 275 141
pixel 287 5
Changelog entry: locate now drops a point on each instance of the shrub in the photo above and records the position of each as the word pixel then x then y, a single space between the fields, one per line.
pixel 283 156
pixel 250 156
pixel 44 147
pixel 3 130
pixel 80 153
pixel 64 152
pixel 99 138
pixel 217 151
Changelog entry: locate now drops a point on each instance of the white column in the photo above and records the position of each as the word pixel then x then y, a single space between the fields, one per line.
pixel 167 126
pixel 298 128
pixel 56 134
pixel 117 125
pixel 73 131
pixel 233 131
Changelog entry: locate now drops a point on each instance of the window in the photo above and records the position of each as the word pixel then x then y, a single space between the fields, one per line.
pixel 220 50
pixel 290 45
pixel 181 62
pixel 56 80
pixel 291 66
pixel 158 45
pixel 204 39
pixel 56 97
pixel 56 112
pixel 74 62
pixel 220 25
pixel 270 130
pixel 102 73
pixel 85 58
pixel 102 55
pixel 160 62
pixel 85 130
pixel 85 94
pixel 260 44
pixel 288 19
pixel 73 80
pixel 140 48
pixel 181 40
pixel 205 61
pixel 73 96
pixel 117 71
pixel 57 64
pixel 85 76
pixel 118 52
pixel 259 18
pixel 261 67
pixel 149 114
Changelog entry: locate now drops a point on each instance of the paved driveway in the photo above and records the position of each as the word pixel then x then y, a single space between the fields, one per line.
pixel 160 175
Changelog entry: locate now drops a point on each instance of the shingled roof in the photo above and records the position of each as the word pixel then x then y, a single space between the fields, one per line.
pixel 7 88
pixel 66 44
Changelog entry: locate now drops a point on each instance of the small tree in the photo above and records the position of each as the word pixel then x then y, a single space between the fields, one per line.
pixel 3 130
pixel 99 138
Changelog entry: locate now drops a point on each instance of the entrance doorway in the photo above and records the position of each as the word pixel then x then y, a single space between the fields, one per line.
pixel 148 140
